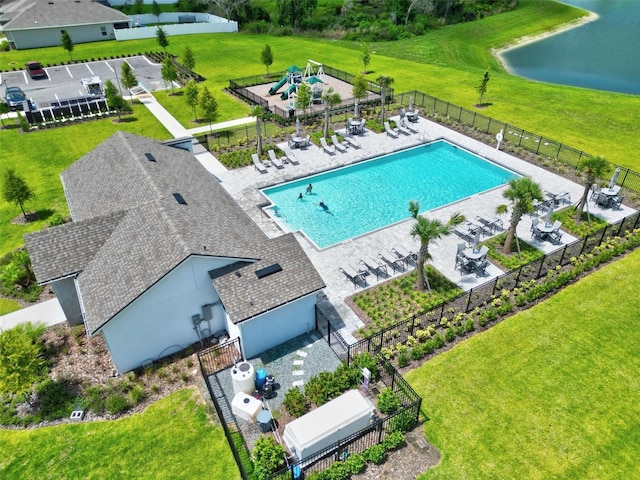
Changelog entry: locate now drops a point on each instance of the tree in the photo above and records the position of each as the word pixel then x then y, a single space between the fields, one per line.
pixel 592 168
pixel 426 6
pixel 114 99
pixel 384 82
pixel 4 108
pixel 127 77
pixel 365 57
pixel 67 43
pixel 304 96
pixel 329 99
pixel 295 12
pixel 21 362
pixel 360 87
pixel 427 230
pixel 155 10
pixel 482 88
pixel 229 6
pixel 188 60
pixel 16 190
pixel 258 112
pixel 161 37
pixel 191 94
pixel 138 6
pixel 169 72
pixel 267 57
pixel 208 106
pixel 521 192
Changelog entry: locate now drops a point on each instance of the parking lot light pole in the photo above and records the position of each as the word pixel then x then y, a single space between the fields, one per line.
pixel 115 70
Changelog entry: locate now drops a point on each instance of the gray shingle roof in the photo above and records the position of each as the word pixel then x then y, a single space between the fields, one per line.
pixel 75 244
pixel 153 236
pixel 246 296
pixel 63 13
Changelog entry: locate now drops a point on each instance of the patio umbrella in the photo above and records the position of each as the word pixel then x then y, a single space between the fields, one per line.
pixel 476 239
pixel 549 213
pixel 410 109
pixel 355 110
pixel 297 126
pixel 614 179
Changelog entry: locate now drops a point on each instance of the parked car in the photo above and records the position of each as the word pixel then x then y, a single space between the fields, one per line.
pixel 14 96
pixel 35 70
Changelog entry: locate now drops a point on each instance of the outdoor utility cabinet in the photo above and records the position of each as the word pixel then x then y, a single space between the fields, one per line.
pixel 324 426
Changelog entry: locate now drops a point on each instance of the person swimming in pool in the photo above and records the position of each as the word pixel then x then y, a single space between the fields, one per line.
pixel 324 206
pixel 300 196
pixel 309 188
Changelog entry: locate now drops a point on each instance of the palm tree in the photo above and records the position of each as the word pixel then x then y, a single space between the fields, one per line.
pixel 329 98
pixel 384 82
pixel 258 112
pixel 427 231
pixel 593 168
pixel 521 192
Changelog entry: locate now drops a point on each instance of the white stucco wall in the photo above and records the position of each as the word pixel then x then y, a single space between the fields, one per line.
pixel 159 322
pixel 50 37
pixel 277 326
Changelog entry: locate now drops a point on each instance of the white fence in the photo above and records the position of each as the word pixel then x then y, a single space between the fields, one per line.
pixel 204 23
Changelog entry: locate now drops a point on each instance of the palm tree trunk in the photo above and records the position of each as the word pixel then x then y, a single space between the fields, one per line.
pixel 422 258
pixel 326 121
pixel 583 201
pixel 511 233
pixel 382 98
pixel 259 131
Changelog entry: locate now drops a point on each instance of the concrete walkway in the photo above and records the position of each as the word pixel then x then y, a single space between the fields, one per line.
pixel 48 313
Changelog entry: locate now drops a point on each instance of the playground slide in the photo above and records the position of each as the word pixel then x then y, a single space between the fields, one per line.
pixel 278 86
pixel 290 89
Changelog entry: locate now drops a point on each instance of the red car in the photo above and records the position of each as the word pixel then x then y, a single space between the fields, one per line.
pixel 35 70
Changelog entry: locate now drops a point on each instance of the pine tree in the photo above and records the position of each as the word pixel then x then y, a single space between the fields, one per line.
pixel 67 43
pixel 16 190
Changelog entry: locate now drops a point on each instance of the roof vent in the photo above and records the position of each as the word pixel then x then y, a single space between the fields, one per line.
pixel 179 199
pixel 270 270
pixel 149 156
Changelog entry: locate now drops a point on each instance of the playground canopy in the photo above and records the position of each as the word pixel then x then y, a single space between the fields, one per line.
pixel 313 80
pixel 294 69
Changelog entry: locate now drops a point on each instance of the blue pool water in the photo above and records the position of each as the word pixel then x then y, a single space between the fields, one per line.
pixel 374 194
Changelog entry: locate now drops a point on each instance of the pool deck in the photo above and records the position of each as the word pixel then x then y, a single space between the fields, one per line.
pixel 244 184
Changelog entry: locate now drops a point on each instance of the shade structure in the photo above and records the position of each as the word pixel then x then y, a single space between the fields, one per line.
pixel 614 179
pixel 297 126
pixel 549 213
pixel 294 69
pixel 476 239
pixel 356 110
pixel 313 80
pixel 411 103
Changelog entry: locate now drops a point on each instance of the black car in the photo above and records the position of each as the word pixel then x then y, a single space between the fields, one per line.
pixel 14 96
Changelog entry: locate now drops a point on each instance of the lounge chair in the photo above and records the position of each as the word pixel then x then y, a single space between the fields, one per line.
pixel 408 126
pixel 406 256
pixel 274 160
pixel 327 148
pixel 464 235
pixel 364 122
pixel 480 267
pixel 400 128
pixel 258 164
pixel 492 225
pixel 391 132
pixel 377 268
pixel 338 144
pixel 352 141
pixel 355 276
pixel 394 262
pixel 290 157
pixel 483 251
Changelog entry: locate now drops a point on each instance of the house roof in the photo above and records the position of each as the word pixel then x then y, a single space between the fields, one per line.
pixel 63 13
pixel 245 295
pixel 146 232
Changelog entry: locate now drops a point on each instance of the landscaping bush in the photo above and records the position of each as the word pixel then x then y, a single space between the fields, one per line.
pixel 393 440
pixel 116 403
pixel 268 457
pixel 355 463
pixel 375 454
pixel 295 402
pixel 388 402
pixel 56 400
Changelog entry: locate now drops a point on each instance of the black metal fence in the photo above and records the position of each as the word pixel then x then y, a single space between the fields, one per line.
pixel 69 110
pixel 211 361
pixel 405 417
pixel 515 136
pixel 478 296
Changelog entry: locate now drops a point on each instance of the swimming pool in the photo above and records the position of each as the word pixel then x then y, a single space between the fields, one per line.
pixel 374 194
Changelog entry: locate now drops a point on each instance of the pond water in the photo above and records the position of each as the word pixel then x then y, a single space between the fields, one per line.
pixel 601 55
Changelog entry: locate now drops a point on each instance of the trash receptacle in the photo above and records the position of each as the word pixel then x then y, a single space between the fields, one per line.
pixel 261 377
pixel 264 420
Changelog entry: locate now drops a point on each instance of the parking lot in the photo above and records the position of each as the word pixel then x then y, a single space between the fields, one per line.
pixel 63 82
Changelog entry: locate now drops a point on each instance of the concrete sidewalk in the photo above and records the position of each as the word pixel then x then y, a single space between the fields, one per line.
pixel 49 313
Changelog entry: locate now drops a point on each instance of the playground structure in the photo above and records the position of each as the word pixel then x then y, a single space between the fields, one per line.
pixel 294 76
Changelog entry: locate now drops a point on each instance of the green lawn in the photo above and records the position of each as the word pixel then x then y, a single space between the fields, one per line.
pixel 552 392
pixel 172 439
pixel 8 306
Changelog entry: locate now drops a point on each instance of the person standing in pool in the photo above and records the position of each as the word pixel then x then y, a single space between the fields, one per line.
pixel 309 188
pixel 300 196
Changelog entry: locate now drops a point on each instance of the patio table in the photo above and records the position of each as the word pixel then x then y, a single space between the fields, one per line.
pixel 472 254
pixel 298 142
pixel 545 227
